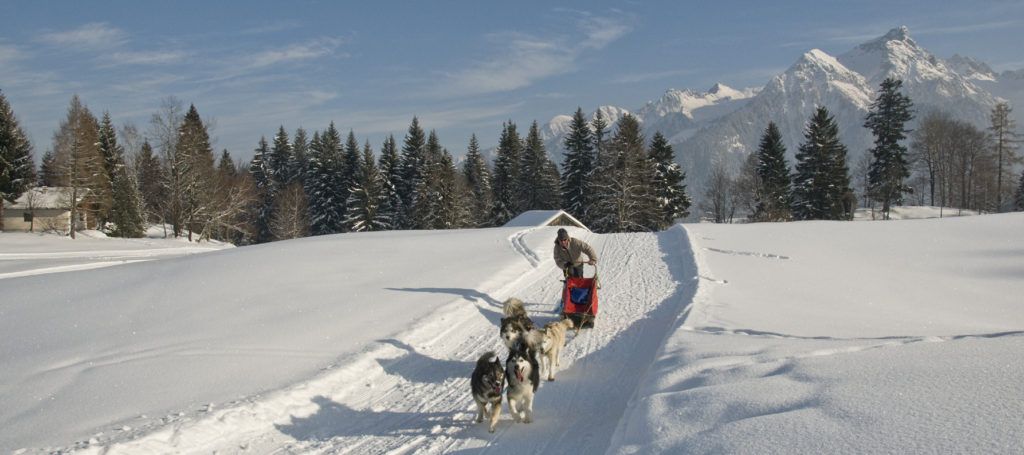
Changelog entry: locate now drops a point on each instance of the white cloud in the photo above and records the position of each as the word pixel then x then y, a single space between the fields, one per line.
pixel 147 58
pixel 95 35
pixel 526 59
pixel 311 50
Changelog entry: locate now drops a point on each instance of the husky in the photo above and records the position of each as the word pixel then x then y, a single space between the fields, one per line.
pixel 552 342
pixel 523 374
pixel 513 308
pixel 515 331
pixel 487 383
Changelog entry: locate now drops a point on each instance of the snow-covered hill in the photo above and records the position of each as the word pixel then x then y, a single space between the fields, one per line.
pixel 903 337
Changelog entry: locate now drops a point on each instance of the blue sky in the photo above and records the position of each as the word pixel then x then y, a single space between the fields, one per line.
pixel 460 67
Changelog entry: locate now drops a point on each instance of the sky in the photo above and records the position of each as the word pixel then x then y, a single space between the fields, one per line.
pixel 901 336
pixel 461 68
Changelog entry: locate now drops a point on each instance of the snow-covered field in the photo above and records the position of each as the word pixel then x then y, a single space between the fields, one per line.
pixel 901 336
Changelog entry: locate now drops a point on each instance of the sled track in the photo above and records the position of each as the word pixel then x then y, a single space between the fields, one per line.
pixel 411 394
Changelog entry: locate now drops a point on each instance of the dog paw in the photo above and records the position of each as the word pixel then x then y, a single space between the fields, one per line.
pixel 528 420
pixel 551 378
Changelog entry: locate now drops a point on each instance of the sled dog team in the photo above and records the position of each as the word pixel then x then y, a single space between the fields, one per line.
pixel 521 370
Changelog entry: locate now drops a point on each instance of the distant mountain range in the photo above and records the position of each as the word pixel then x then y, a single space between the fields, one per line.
pixel 726 124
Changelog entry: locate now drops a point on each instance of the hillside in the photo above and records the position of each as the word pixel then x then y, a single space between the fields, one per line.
pixel 852 337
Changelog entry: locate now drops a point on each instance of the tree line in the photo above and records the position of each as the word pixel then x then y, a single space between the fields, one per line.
pixel 949 163
pixel 324 183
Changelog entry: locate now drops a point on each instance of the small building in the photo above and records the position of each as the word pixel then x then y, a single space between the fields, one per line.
pixel 533 218
pixel 41 208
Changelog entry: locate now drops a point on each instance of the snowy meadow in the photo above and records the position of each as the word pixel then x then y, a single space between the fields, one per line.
pixel 902 336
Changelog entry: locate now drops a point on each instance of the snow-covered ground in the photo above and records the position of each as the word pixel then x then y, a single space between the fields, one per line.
pixel 901 336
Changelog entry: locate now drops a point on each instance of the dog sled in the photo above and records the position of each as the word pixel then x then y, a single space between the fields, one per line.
pixel 579 299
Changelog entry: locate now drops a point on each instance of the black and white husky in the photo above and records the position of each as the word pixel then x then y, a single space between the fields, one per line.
pixel 523 374
pixel 517 330
pixel 487 383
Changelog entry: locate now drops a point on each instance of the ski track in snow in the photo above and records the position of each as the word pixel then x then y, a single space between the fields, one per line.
pixel 411 394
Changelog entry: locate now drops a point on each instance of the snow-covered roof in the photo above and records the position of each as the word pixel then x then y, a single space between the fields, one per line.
pixel 545 218
pixel 43 197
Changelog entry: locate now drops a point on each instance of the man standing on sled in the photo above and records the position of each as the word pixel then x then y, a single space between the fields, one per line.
pixel 569 254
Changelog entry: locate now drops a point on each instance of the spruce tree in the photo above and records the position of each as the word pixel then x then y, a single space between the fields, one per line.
pixel 194 155
pixel 300 157
pixel 478 179
pixel 413 162
pixel 625 200
pixel 262 171
pixel 889 168
pixel 49 170
pixel 112 154
pixel 506 175
pixel 17 170
pixel 437 204
pixel 535 187
pixel 364 201
pixel 322 186
pixel 821 186
pixel 390 168
pixel 124 214
pixel 279 162
pixel 124 198
pixel 578 166
pixel 667 186
pixel 774 178
pixel 350 168
pixel 151 182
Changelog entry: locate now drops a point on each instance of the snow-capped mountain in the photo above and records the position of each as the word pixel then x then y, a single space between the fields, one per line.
pixel 725 124
pixel 677 114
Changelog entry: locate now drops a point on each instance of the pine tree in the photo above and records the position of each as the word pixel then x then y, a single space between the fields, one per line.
pixel 821 186
pixel 113 156
pixel 49 170
pixel 280 161
pixel 125 216
pixel 151 180
pixel 390 168
pixel 578 166
pixel 299 159
pixel 535 187
pixel 364 201
pixel 437 204
pixel 194 156
pixel 350 168
pixel 506 175
pixel 667 186
pixel 262 171
pixel 322 183
pixel 478 179
pixel 414 161
pixel 1005 140
pixel 775 182
pixel 889 168
pixel 124 197
pixel 625 201
pixel 17 170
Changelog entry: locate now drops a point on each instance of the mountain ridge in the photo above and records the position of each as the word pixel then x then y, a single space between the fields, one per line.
pixel 723 124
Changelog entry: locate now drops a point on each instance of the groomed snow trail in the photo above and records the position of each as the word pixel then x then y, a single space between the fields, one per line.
pixel 411 394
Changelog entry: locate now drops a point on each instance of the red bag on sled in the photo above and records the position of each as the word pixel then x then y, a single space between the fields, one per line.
pixel 579 300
